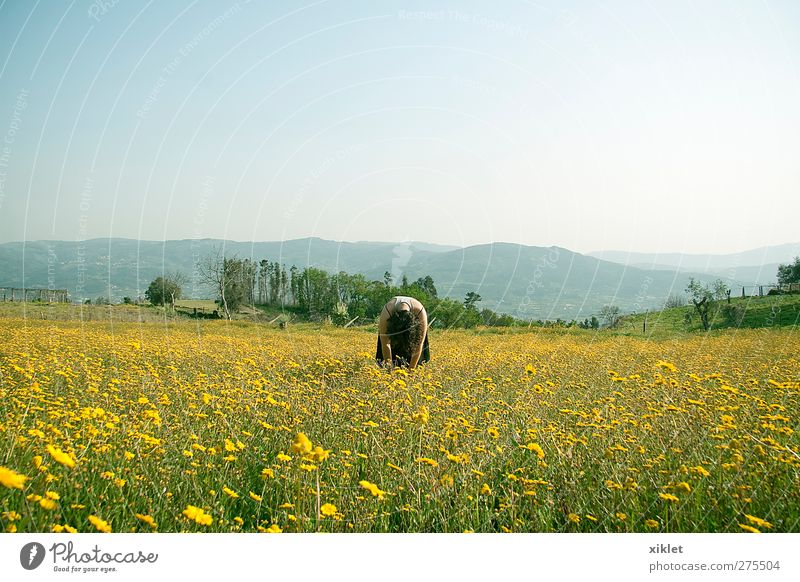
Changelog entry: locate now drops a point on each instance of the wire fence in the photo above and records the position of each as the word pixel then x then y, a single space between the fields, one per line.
pixel 29 295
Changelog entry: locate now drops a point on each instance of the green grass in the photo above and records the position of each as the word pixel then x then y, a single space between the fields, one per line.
pixel 756 312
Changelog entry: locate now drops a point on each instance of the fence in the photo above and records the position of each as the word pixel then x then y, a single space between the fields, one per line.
pixel 43 295
pixel 761 290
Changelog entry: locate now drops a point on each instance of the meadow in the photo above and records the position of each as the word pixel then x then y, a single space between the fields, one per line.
pixel 216 426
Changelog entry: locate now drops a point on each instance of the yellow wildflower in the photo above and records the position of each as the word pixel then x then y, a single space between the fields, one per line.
pixel 11 479
pixel 147 519
pixel 301 445
pixel 372 488
pixel 758 521
pixel 427 461
pixel 99 524
pixel 60 456
pixel 574 518
pixel 198 515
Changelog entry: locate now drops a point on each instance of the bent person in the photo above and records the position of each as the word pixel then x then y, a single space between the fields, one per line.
pixel 403 333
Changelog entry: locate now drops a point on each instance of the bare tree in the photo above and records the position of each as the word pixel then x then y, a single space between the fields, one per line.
pixel 610 315
pixel 178 281
pixel 212 272
pixel 674 300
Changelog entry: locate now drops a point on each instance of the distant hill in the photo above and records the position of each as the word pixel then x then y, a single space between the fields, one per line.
pixel 753 266
pixel 525 281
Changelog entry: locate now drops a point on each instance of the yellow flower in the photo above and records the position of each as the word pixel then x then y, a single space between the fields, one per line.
pixel 666 366
pixel 422 416
pixel 700 470
pixel 668 497
pixel 427 461
pixel 486 490
pixel 301 445
pixel 460 459
pixel 63 528
pixel 493 432
pixel 536 449
pixel 12 479
pixel 230 492
pixel 268 473
pixel 328 509
pixel 283 457
pixel 274 528
pixel 529 369
pixel 372 488
pixel 99 524
pixel 48 504
pixel 758 521
pixel 319 454
pixel 255 497
pixel 652 523
pixel 748 528
pixel 60 456
pixel 147 519
pixel 574 518
pixel 198 515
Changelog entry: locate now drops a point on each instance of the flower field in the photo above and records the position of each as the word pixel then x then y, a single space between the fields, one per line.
pixel 228 427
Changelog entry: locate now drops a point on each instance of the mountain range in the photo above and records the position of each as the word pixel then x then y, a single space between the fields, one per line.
pixel 524 281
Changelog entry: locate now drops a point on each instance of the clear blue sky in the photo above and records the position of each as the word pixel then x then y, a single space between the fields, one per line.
pixel 650 126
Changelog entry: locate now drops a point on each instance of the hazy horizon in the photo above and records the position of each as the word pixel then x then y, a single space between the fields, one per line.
pixel 625 126
pixel 424 242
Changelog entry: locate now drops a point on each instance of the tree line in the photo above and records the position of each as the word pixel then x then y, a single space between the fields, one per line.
pixel 317 295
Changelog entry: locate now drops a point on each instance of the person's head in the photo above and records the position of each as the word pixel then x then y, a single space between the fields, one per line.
pixel 404 330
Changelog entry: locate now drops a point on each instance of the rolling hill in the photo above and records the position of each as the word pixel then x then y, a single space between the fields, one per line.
pixel 525 281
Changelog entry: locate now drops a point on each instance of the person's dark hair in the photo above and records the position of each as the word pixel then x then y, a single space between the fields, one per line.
pixel 404 330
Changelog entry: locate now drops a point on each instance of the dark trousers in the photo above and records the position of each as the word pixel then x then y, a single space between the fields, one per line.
pixel 401 359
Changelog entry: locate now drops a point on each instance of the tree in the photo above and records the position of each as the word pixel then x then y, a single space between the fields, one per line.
pixel 262 281
pixel 426 285
pixel 788 274
pixel 226 277
pixel 610 315
pixel 720 290
pixel 704 297
pixel 448 313
pixel 674 300
pixel 164 290
pixel 471 299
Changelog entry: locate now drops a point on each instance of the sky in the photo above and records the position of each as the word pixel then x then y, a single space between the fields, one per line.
pixel 643 125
